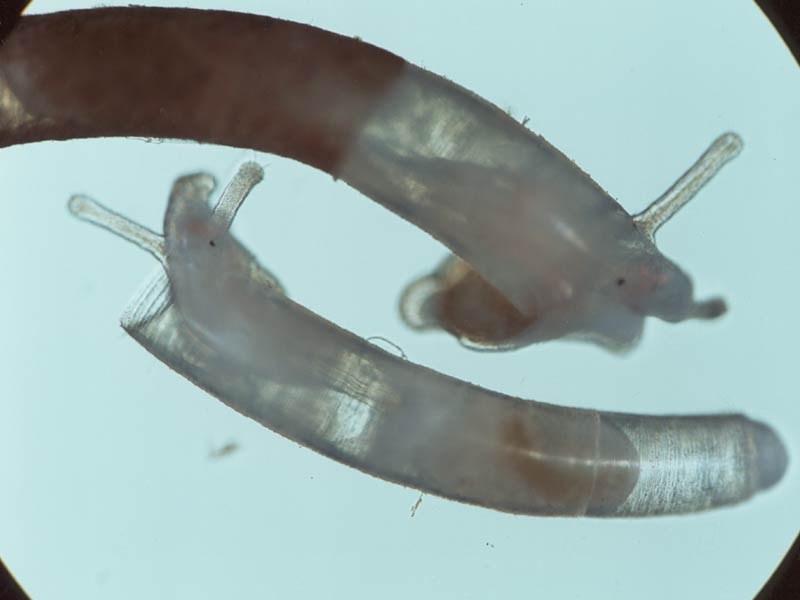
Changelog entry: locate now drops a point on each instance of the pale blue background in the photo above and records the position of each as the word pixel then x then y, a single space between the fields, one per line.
pixel 112 493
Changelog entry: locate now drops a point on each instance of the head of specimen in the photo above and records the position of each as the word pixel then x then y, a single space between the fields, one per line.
pixel 602 295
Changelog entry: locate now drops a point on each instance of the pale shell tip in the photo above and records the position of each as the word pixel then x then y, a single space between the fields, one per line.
pixel 771 456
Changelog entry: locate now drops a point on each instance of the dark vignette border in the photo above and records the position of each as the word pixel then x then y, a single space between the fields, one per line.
pixel 785 17
pixel 785 580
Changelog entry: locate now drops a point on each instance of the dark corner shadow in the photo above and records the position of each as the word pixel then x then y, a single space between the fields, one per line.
pixel 10 12
pixel 9 588
pixel 785 581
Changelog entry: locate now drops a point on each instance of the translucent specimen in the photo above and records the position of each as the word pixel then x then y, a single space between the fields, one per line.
pixel 544 251
pixel 599 288
pixel 216 316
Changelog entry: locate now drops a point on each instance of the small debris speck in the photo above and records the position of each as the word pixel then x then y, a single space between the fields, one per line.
pixel 416 506
pixel 223 451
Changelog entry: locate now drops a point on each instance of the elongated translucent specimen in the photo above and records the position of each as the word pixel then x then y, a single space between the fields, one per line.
pixel 544 251
pixel 615 280
pixel 217 318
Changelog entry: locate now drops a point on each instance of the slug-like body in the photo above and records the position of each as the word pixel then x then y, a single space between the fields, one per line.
pixel 544 251
pixel 220 319
pixel 594 277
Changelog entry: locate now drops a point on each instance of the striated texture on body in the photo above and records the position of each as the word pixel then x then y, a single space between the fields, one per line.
pixel 218 318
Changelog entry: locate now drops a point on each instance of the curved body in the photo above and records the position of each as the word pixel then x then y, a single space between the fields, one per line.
pixel 220 319
pixel 547 253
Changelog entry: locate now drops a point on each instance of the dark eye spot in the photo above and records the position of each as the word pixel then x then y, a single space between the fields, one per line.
pixel 621 281
pixel 211 243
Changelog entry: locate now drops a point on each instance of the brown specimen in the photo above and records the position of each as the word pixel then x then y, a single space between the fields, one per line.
pixel 471 307
pixel 212 76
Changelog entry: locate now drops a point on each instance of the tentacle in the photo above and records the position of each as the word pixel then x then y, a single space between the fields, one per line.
pixel 723 149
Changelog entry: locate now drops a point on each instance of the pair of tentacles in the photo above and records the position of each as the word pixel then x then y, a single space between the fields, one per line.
pixel 222 320
pixel 543 251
